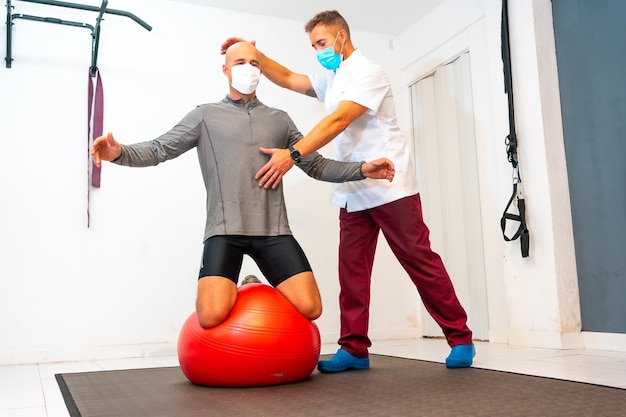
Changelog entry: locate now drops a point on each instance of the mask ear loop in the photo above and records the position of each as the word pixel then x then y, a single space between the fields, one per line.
pixel 342 45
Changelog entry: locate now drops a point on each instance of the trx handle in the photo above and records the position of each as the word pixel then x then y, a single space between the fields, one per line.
pixel 522 232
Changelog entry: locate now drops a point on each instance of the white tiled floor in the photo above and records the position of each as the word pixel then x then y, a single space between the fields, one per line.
pixel 32 391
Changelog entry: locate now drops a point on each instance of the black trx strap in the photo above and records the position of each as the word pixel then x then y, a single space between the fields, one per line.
pixel 511 147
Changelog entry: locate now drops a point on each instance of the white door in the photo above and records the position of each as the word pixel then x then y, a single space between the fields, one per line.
pixel 445 150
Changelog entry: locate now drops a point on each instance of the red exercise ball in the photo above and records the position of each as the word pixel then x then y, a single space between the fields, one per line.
pixel 264 341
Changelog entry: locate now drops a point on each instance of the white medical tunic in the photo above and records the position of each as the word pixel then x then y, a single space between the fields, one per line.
pixel 375 134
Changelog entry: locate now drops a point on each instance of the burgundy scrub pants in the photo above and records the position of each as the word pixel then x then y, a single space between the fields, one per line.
pixel 403 226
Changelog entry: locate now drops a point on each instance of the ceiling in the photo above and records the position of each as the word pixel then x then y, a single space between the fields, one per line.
pixel 389 17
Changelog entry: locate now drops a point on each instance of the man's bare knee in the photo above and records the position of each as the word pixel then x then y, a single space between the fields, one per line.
pixel 216 297
pixel 312 312
pixel 210 319
pixel 301 290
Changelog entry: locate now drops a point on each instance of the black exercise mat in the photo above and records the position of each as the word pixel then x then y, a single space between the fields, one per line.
pixel 391 387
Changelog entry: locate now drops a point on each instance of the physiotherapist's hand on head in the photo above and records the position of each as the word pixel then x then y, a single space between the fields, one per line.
pixel 231 41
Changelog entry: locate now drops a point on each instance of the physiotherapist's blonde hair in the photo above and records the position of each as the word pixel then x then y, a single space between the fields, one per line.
pixel 328 18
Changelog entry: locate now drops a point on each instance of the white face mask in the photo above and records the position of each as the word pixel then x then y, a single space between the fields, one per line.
pixel 245 78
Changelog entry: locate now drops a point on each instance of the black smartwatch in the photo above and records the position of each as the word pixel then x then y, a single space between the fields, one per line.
pixel 295 154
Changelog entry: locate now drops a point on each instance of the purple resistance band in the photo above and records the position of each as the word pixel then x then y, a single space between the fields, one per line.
pixel 94 130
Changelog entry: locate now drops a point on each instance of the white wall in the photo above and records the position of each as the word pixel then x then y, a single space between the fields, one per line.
pixel 521 297
pixel 455 27
pixel 533 301
pixel 125 285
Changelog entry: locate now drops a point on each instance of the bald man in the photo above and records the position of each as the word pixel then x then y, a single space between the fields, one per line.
pixel 234 137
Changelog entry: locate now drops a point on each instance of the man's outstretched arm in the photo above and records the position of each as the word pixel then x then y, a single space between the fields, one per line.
pixel 324 169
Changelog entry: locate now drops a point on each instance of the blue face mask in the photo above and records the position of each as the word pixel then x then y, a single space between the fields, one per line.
pixel 328 58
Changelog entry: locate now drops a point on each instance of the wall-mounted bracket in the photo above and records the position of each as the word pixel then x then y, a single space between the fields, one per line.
pixel 95 30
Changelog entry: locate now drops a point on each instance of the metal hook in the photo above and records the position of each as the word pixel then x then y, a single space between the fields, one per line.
pixel 95 30
pixel 95 34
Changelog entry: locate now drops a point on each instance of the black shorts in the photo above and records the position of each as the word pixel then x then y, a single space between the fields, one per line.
pixel 278 257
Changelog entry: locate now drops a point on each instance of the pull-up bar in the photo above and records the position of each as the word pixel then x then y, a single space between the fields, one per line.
pixel 95 30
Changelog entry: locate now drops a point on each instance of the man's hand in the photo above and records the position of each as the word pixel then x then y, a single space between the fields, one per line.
pixel 272 173
pixel 381 168
pixel 105 148
pixel 231 41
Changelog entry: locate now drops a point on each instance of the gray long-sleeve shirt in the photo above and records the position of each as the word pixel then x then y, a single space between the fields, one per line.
pixel 227 135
